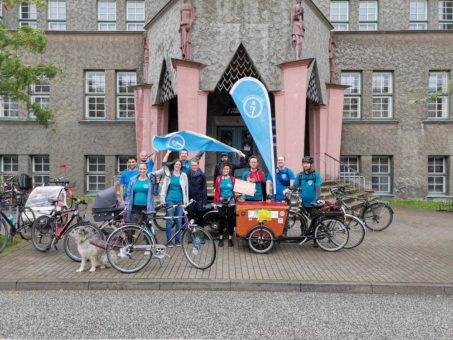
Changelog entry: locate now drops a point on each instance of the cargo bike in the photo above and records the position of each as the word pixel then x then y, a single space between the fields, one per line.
pixel 262 224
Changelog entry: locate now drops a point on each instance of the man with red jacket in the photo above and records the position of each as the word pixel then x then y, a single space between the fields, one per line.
pixel 254 175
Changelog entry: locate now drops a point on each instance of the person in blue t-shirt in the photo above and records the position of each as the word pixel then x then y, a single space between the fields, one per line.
pixel 184 159
pixel 148 159
pixel 126 175
pixel 284 178
pixel 254 175
pixel 310 182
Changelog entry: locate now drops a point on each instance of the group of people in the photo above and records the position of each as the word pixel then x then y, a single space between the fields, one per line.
pixel 139 184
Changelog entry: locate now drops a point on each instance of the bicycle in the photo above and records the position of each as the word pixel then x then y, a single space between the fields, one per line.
pixel 47 230
pixel 376 215
pixel 131 247
pixel 24 216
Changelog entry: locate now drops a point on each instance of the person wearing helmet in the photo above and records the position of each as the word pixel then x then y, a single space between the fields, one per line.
pixel 309 182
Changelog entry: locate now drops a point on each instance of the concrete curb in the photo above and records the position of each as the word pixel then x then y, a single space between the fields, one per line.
pixel 229 285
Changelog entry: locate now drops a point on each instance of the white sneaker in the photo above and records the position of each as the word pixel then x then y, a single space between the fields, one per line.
pixel 170 245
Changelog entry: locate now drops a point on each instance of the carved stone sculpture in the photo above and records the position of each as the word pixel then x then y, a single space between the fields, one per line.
pixel 332 62
pixel 298 29
pixel 185 29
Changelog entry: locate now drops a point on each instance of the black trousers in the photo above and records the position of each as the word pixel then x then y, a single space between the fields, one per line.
pixel 227 219
pixel 197 216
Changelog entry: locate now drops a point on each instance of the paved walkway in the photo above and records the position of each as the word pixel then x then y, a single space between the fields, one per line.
pixel 415 254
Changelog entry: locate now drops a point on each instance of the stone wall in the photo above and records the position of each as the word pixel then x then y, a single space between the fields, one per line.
pixel 409 137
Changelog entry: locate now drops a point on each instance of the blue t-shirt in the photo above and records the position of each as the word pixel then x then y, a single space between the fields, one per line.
pixel 187 165
pixel 283 178
pixel 258 188
pixel 308 184
pixel 125 178
pixel 174 193
pixel 226 188
pixel 141 188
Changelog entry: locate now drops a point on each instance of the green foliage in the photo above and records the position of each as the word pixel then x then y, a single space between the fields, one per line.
pixel 13 244
pixel 431 96
pixel 412 203
pixel 16 76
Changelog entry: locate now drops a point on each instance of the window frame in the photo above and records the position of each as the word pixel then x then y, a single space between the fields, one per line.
pixel 58 22
pixel 30 21
pixel 339 21
pixel 383 95
pixel 346 160
pixel 445 24
pixel 124 95
pixel 119 163
pixel 95 174
pixel 42 94
pixel 134 22
pixel 435 175
pixel 104 23
pixel 443 96
pixel 41 174
pixel 349 96
pixel 368 23
pixel 381 174
pixel 417 21
pixel 93 95
pixel 12 164
pixel 11 101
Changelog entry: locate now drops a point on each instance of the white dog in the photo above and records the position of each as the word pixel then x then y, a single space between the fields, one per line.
pixel 91 247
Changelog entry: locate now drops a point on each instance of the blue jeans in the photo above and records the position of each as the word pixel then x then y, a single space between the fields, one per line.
pixel 174 212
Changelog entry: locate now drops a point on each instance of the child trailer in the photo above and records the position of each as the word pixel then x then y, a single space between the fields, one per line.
pixel 106 206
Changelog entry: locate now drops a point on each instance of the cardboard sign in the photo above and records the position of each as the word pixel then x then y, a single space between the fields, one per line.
pixel 244 187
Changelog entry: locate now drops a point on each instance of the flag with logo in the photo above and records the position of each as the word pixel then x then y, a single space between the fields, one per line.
pixel 252 101
pixel 190 141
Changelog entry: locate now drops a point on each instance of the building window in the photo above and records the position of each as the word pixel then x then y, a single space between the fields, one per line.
pixel 95 95
pixel 446 15
pixel 349 166
pixel 125 103
pixel 135 16
pixel 121 163
pixel 339 15
pixel 437 175
pixel 418 15
pixel 40 170
pixel 107 15
pixel 95 173
pixel 368 15
pixel 39 93
pixel 382 95
pixel 56 15
pixel 27 14
pixel 381 174
pixel 9 107
pixel 352 98
pixel 437 87
pixel 9 165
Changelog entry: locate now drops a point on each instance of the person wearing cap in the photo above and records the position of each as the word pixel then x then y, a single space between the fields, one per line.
pixel 224 159
pixel 309 182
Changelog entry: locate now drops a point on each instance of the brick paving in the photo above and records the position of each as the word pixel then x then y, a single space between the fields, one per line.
pixel 416 249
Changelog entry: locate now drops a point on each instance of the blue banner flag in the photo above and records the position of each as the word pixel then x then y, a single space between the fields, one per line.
pixel 190 141
pixel 252 101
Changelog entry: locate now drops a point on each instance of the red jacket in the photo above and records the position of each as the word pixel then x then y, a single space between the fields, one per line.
pixel 217 188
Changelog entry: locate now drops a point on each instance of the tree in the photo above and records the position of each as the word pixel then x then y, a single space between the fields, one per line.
pixel 16 77
pixel 431 96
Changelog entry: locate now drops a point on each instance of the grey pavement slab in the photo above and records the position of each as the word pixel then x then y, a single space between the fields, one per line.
pixel 414 255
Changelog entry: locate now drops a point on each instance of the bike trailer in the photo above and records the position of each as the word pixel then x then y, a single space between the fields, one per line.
pixel 105 205
pixel 249 214
pixel 41 198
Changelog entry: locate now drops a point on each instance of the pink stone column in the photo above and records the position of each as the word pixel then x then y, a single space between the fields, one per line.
pixel 290 105
pixel 318 135
pixel 192 102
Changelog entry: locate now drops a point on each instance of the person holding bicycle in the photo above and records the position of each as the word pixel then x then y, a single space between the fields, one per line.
pixel 224 200
pixel 175 191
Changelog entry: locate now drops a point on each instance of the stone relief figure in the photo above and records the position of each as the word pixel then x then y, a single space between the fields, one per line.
pixel 297 20
pixel 145 57
pixel 332 63
pixel 185 28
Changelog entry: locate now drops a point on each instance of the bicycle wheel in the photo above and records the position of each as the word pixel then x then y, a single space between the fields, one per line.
pixel 159 222
pixel 378 216
pixel 4 234
pixel 356 230
pixel 26 219
pixel 70 243
pixel 129 249
pixel 211 220
pixel 261 239
pixel 199 247
pixel 331 234
pixel 42 233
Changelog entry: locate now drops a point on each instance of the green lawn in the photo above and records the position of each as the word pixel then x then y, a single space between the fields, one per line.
pixel 16 243
pixel 412 203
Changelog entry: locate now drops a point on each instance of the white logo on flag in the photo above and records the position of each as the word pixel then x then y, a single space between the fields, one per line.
pixel 253 106
pixel 176 142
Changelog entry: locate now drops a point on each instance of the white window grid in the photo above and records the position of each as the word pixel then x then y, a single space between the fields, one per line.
pixel 418 10
pixel 107 15
pixel 95 107
pixel 95 173
pixel 32 24
pixel 124 82
pixel 27 12
pixel 106 26
pixel 9 164
pixel 381 174
pixel 368 27
pixel 95 82
pixel 382 107
pixel 125 107
pixel 57 26
pixel 418 26
pixel 56 10
pixel 339 15
pixel 121 163
pixel 136 26
pixel 135 10
pixel 351 107
pixel 382 102
pixel 368 11
pixel 352 98
pixel 350 166
pixel 125 102
pixel 446 11
pixel 41 169
pixel 437 174
pixel 438 86
pixel 9 107
pixel 95 94
pixel 353 80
